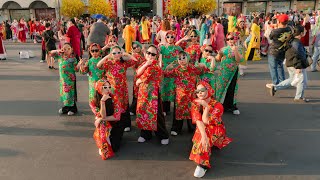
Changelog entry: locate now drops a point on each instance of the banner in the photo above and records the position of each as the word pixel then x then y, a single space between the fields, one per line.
pixel 113 4
pixel 165 6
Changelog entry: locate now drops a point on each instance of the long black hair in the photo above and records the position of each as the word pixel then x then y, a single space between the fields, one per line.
pixel 74 22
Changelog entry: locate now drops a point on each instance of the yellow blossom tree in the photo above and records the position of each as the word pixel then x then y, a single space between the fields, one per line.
pixel 204 6
pixel 100 7
pixel 179 8
pixel 72 8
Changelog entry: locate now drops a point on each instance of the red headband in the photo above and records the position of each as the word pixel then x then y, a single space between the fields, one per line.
pixel 208 87
pixel 98 85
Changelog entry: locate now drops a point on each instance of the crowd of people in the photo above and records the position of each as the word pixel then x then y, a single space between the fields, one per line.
pixel 192 63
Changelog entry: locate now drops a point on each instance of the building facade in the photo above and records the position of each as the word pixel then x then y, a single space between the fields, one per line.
pixel 28 9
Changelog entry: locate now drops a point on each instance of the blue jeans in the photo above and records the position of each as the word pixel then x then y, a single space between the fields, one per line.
pixel 315 58
pixel 276 69
pixel 302 83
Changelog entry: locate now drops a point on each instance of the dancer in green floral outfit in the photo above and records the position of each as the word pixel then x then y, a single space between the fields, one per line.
pixel 91 68
pixel 67 69
pixel 227 81
pixel 169 53
pixel 210 62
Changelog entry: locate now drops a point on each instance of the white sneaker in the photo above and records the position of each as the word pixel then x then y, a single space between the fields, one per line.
pixel 100 152
pixel 60 111
pixel 42 61
pixel 131 114
pixel 173 133
pixel 236 112
pixel 199 172
pixel 165 141
pixel 141 140
pixel 269 85
pixel 70 113
pixel 127 129
pixel 164 113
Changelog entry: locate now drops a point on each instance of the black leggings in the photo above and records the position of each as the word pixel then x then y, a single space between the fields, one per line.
pixel 161 132
pixel 250 57
pixel 166 106
pixel 133 107
pixel 229 99
pixel 117 133
pixel 177 124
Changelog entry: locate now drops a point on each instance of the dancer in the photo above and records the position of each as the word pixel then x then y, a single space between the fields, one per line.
pixel 109 130
pixel 138 54
pixel 149 107
pixel 168 54
pixel 227 81
pixel 68 66
pixel 90 67
pixel 115 65
pixel 206 112
pixel 193 48
pixel 210 62
pixel 185 74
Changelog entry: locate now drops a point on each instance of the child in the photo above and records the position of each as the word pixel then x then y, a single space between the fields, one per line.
pixel 186 75
pixel 67 68
pixel 206 41
pixel 90 67
pixel 109 130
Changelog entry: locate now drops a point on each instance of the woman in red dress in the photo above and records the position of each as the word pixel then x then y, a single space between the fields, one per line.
pixel 22 28
pixel 115 65
pixel 149 108
pixel 3 54
pixel 74 35
pixel 138 54
pixel 206 112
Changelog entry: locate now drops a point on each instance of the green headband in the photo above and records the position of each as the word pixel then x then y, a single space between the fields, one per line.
pixel 137 43
pixel 115 47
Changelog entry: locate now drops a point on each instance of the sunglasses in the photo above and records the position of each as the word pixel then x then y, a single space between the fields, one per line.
pixel 209 51
pixel 150 53
pixel 112 41
pixel 115 53
pixel 134 47
pixel 182 58
pixel 228 39
pixel 170 37
pixel 193 36
pixel 106 87
pixel 200 90
pixel 95 50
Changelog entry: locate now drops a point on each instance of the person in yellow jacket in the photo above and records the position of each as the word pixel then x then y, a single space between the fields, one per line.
pixel 253 48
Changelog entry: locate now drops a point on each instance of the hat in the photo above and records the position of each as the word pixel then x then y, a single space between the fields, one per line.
pixel 283 18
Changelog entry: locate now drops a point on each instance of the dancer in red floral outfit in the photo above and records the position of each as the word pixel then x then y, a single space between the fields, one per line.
pixel 206 112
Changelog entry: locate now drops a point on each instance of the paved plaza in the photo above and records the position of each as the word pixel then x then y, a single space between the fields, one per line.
pixel 274 138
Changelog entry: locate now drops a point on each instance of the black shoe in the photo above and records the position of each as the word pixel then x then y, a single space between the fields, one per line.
pixel 272 91
pixel 4 59
pixel 50 67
